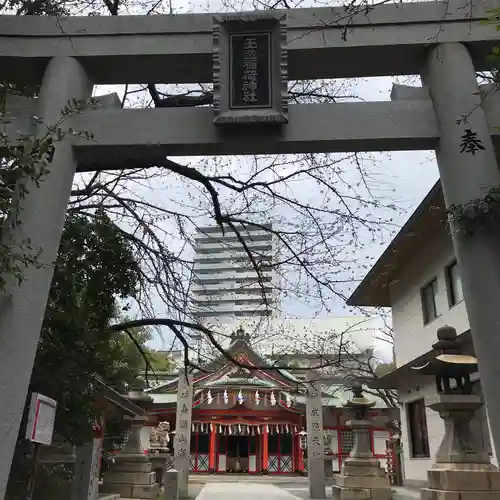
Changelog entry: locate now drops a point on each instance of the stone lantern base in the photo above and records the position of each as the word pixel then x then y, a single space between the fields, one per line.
pixel 471 482
pixel 462 470
pixel 132 477
pixel 362 477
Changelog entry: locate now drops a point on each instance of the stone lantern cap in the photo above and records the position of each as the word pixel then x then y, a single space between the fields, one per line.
pixel 449 362
pixel 359 400
pixel 360 404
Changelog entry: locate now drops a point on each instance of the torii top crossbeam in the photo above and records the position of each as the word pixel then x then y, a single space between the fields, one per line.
pixel 389 40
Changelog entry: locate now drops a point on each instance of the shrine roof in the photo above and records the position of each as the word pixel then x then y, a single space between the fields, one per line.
pixel 333 396
pixel 224 371
pixel 226 381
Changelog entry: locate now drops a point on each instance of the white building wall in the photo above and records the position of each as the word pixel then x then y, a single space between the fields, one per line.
pixel 412 337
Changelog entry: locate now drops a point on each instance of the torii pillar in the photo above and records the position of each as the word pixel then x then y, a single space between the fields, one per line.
pixel 43 210
pixel 465 177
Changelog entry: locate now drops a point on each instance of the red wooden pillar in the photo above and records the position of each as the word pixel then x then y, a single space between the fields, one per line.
pixel 265 448
pixel 211 456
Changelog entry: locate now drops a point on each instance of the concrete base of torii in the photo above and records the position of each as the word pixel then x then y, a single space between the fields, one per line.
pixel 362 477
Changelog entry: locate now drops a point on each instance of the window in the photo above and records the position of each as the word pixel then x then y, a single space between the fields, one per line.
pixel 429 293
pixel 286 444
pixel 273 443
pixel 454 284
pixel 417 429
pixel 203 443
pixel 222 443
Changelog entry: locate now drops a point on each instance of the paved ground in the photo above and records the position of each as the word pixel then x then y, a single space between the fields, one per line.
pixel 243 491
pixel 296 486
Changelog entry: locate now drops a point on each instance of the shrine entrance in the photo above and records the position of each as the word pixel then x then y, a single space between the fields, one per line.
pixel 238 453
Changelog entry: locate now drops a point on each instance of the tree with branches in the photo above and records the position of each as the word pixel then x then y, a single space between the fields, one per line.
pixel 323 210
pixel 320 236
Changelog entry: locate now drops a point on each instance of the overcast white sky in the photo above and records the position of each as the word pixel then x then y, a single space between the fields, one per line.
pixel 409 174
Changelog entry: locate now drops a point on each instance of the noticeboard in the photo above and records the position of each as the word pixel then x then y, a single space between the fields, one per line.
pixel 41 419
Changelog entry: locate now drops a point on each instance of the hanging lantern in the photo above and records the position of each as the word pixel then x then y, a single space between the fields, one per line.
pixel 240 397
pixel 277 429
pixel 288 400
pixel 303 439
pixel 211 427
pixel 273 399
pixel 239 428
pixel 287 429
pixel 267 428
pixel 257 398
pixel 193 427
pixel 258 430
pixel 253 431
pixel 209 397
pixel 225 397
pixel 229 430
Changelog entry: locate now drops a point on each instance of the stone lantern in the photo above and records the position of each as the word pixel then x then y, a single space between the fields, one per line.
pixel 462 465
pixel 361 475
pixel 132 475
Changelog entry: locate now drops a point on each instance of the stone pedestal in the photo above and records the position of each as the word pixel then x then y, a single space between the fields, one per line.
pixel 462 470
pixel 361 477
pixel 171 486
pixel 132 475
pixel 86 471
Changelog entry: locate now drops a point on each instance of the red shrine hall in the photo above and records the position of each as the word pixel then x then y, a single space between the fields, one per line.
pixel 252 421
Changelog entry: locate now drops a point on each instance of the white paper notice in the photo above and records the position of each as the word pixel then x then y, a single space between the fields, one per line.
pixel 41 419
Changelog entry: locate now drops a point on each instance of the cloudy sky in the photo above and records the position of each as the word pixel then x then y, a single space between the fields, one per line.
pixel 404 177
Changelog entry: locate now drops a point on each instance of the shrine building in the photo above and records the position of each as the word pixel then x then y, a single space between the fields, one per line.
pixel 253 420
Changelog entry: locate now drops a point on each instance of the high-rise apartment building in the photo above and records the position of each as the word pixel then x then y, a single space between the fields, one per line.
pixel 227 288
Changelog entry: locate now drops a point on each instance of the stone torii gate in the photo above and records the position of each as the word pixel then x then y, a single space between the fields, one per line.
pixel 443 41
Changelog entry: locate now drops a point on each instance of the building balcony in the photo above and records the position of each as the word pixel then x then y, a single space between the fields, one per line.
pixel 233 246
pixel 249 299
pixel 230 307
pixel 231 256
pixel 238 274
pixel 236 286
